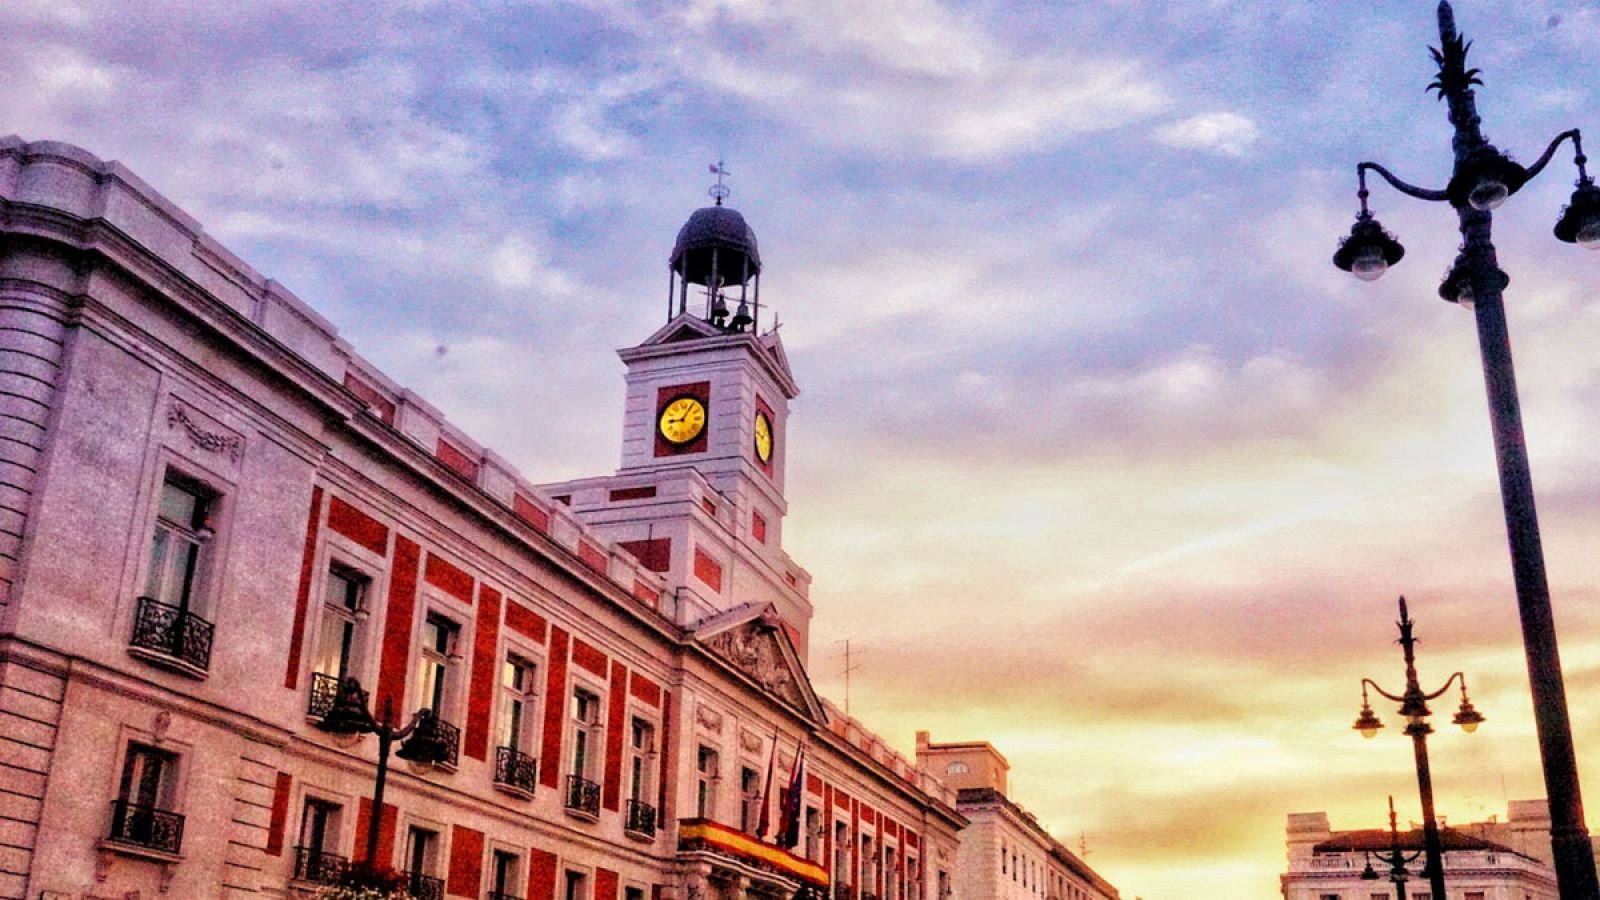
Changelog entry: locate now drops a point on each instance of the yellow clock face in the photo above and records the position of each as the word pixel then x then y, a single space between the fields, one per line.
pixel 682 420
pixel 763 438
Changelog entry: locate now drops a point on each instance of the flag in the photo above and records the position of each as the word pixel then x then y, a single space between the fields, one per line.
pixel 766 792
pixel 789 816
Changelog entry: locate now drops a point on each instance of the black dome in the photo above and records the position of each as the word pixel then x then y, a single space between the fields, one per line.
pixel 721 229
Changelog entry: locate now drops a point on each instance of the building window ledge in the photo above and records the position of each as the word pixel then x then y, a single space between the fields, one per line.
pixel 166 661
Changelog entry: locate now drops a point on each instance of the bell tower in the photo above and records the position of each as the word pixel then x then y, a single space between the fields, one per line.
pixel 699 494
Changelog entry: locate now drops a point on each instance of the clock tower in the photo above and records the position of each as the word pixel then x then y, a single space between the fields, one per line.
pixel 699 493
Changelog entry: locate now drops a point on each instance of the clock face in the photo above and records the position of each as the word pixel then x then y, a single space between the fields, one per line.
pixel 763 438
pixel 682 420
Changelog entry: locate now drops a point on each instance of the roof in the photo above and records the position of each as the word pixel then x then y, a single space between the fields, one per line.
pixel 720 228
pixel 1379 839
pixel 967 797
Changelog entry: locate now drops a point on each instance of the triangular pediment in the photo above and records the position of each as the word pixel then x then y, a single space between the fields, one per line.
pixel 751 638
pixel 682 327
pixel 772 343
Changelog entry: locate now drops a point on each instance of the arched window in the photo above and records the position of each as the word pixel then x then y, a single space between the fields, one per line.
pixel 956 768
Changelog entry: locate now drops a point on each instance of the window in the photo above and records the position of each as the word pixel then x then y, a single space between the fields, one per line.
pixel 504 875
pixel 583 794
pixel 177 549
pixel 576 886
pixel 705 776
pixel 841 853
pixel 869 872
pixel 813 835
pixel 168 627
pixel 890 876
pixel 913 878
pixel 517 682
pixel 343 608
pixel 632 893
pixel 956 768
pixel 1003 854
pixel 314 856
pixel 1473 895
pixel 641 746
pixel 436 663
pixel 749 800
pixel 422 856
pixel 515 769
pixel 142 815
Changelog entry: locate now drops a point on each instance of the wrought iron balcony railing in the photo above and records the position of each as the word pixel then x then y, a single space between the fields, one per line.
pixel 318 866
pixel 641 818
pixel 424 887
pixel 324 688
pixel 841 891
pixel 436 728
pixel 583 796
pixel 172 632
pixel 515 770
pixel 146 826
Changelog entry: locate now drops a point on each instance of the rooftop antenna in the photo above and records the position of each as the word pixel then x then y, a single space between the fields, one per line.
pixel 719 190
pixel 848 668
pixel 1083 845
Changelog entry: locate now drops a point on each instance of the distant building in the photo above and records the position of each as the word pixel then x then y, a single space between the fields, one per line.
pixel 214 514
pixel 1005 854
pixel 1490 860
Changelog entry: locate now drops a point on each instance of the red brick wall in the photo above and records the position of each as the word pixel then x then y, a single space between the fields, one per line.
pixel 529 512
pixel 525 621
pixel 458 461
pixel 605 884
pixel 485 666
pixel 302 602
pixel 654 554
pixel 448 577
pixel 555 708
pixel 397 625
pixel 588 657
pixel 541 874
pixel 616 731
pixel 386 825
pixel 644 689
pixel 358 526
pixel 280 815
pixel 466 861
pixel 381 406
pixel 707 570
pixel 592 556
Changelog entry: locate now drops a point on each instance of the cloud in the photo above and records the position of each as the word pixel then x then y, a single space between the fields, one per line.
pixel 1223 133
pixel 901 78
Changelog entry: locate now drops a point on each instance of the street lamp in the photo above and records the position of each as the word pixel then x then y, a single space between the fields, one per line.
pixel 421 742
pixel 1483 177
pixel 1414 706
pixel 1395 859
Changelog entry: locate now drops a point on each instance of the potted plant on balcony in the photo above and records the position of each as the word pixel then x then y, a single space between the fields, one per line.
pixel 365 881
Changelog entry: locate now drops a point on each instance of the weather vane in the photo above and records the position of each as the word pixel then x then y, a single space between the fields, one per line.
pixel 719 190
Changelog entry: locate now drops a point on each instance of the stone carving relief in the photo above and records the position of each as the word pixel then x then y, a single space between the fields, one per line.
pixel 749 741
pixel 193 423
pixel 753 649
pixel 707 718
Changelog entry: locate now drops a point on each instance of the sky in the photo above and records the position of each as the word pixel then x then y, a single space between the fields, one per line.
pixel 1097 458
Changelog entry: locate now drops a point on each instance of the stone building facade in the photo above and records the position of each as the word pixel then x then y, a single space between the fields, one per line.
pixel 1490 860
pixel 1005 854
pixel 213 511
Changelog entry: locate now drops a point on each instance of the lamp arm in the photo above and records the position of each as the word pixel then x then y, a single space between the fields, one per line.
pixel 1374 685
pixel 1550 151
pixel 416 719
pixel 1451 680
pixel 1403 187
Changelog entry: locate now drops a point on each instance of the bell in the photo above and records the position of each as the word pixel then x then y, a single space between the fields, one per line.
pixel 425 745
pixel 348 714
pixel 741 318
pixel 719 310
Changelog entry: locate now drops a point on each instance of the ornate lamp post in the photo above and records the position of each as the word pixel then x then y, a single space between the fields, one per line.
pixel 421 743
pixel 1395 859
pixel 1414 706
pixel 1483 177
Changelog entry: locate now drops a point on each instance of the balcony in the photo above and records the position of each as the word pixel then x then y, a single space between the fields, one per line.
pixel 318 866
pixel 731 853
pixel 145 827
pixel 171 636
pixel 515 772
pixel 435 728
pixel 324 688
pixel 841 892
pixel 424 887
pixel 583 797
pixel 641 820
pixel 500 895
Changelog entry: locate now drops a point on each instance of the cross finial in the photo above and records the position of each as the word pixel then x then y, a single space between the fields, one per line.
pixel 719 190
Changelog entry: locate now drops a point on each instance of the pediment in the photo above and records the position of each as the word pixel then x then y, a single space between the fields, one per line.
pixel 682 327
pixel 753 641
